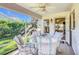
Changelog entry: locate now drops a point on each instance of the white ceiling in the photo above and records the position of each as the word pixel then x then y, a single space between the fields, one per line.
pixel 50 7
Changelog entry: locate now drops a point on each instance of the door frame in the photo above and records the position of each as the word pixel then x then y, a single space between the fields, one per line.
pixel 70 30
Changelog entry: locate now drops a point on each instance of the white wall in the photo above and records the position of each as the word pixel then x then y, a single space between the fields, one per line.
pixel 75 33
pixel 67 36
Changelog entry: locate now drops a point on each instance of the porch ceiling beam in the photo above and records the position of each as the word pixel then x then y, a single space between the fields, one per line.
pixel 14 6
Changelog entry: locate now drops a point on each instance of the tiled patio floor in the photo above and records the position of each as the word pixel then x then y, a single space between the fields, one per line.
pixel 65 49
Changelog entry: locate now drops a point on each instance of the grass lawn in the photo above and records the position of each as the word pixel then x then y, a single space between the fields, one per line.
pixel 7 46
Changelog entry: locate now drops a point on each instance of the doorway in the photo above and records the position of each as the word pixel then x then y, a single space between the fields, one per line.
pixel 60 26
pixel 46 26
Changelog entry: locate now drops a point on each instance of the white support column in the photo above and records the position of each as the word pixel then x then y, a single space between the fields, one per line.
pixel 52 26
pixel 40 25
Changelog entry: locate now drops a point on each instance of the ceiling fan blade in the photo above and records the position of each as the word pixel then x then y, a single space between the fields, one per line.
pixel 34 7
pixel 40 5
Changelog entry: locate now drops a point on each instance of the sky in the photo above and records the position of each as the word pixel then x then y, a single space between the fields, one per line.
pixel 11 13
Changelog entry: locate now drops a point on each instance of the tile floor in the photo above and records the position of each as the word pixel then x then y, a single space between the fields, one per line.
pixel 65 49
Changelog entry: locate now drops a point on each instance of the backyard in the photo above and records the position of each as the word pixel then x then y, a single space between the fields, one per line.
pixel 8 30
pixel 11 24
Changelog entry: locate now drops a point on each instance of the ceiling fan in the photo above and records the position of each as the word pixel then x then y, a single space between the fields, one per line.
pixel 41 6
